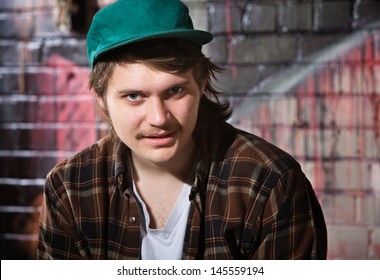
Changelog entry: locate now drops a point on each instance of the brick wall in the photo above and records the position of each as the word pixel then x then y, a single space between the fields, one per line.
pixel 305 76
pixel 46 111
pixel 302 74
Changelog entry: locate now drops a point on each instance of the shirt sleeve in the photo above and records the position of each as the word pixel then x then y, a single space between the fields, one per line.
pixel 292 222
pixel 58 237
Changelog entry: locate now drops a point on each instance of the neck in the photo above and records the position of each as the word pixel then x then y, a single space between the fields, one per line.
pixel 178 168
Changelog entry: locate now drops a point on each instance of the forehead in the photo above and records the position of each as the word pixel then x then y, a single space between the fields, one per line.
pixel 142 75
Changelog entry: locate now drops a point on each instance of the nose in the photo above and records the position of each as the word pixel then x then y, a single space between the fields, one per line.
pixel 157 114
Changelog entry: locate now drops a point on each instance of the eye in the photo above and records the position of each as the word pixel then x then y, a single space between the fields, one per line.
pixel 132 96
pixel 176 90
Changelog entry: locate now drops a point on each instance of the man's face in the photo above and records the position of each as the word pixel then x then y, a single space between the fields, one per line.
pixel 154 113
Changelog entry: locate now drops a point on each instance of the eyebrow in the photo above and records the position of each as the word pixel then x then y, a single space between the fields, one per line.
pixel 133 91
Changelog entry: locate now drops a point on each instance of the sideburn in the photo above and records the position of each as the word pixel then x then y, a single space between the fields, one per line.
pixel 102 108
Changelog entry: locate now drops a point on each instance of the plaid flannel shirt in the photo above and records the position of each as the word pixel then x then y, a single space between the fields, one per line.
pixel 250 200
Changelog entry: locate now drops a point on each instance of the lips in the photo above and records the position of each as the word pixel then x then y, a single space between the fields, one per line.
pixel 159 139
pixel 161 135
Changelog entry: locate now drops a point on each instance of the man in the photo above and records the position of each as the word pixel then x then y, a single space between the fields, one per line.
pixel 173 180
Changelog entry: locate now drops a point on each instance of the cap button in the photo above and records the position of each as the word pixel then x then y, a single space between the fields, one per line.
pixel 132 220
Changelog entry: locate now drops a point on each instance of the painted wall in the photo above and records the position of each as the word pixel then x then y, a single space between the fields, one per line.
pixel 302 74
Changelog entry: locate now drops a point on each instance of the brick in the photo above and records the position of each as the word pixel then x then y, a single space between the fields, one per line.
pixel 332 143
pixel 9 81
pixel 320 174
pixel 15 53
pixel 19 139
pixel 16 25
pixel 259 18
pixel 74 110
pixel 295 16
pixel 372 144
pixel 376 45
pixel 63 111
pixel 26 167
pixel 64 80
pixel 298 142
pixel 336 111
pixel 26 25
pixel 351 111
pixel 255 112
pixel 217 50
pixel 327 203
pixel 198 13
pixel 242 78
pixel 34 81
pixel 45 23
pixel 13 195
pixel 312 43
pixel 267 112
pixel 320 144
pixel 375 178
pixel 21 223
pixel 217 14
pixel 367 209
pixel 18 249
pixel 71 49
pixel 344 209
pixel 19 233
pixel 352 78
pixel 22 4
pixel 264 49
pixel 275 116
pixel 283 110
pixel 356 78
pixel 13 112
pixel 352 209
pixel 282 136
pixel 332 16
pixel 366 9
pixel 376 78
pixel 351 175
pixel 9 53
pixel 352 143
pixel 347 242
pixel 72 137
pixel 374 246
pixel 75 139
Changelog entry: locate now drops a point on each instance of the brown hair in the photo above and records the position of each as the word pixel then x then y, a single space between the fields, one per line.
pixel 169 55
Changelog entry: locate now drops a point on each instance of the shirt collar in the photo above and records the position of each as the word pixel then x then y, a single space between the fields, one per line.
pixel 123 172
pixel 122 167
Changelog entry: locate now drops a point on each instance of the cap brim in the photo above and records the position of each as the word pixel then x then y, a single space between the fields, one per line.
pixel 198 37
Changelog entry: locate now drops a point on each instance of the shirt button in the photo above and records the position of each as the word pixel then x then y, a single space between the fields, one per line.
pixel 132 220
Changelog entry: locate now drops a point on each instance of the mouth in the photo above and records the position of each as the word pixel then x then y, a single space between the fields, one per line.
pixel 160 135
pixel 158 139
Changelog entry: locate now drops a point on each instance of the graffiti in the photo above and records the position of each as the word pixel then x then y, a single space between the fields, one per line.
pixel 330 123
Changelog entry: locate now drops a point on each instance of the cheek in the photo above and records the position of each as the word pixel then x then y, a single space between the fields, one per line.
pixel 187 112
pixel 187 108
pixel 122 119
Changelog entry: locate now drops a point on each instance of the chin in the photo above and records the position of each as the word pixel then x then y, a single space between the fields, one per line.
pixel 160 157
pixel 162 160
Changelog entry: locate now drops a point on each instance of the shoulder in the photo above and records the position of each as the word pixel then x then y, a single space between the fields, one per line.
pixel 84 162
pixel 248 164
pixel 249 149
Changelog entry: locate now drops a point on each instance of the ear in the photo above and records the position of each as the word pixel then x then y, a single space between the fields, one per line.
pixel 203 86
pixel 100 102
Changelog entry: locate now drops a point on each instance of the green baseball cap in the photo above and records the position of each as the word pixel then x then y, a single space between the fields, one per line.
pixel 128 21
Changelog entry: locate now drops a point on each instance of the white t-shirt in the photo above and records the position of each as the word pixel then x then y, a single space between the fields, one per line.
pixel 165 243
